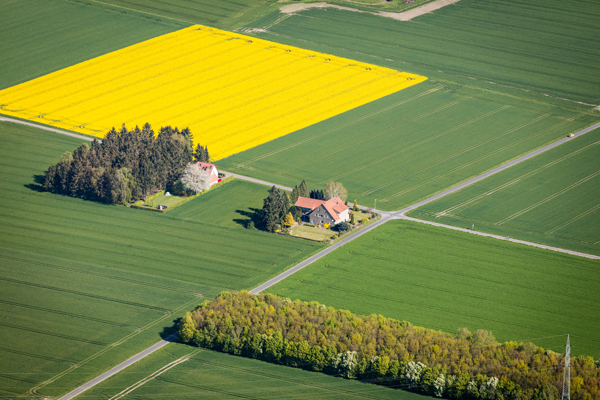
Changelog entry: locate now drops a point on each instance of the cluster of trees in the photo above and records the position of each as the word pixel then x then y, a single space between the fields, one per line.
pixel 125 166
pixel 383 350
pixel 278 208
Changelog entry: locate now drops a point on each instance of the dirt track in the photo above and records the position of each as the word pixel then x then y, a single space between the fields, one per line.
pixel 402 16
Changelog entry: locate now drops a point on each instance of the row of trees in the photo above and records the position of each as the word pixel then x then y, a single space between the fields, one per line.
pixel 125 166
pixel 383 350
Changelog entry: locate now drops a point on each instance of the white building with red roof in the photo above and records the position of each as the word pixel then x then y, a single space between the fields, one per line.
pixel 332 211
pixel 213 174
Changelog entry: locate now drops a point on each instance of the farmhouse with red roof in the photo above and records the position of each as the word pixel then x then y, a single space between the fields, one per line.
pixel 213 174
pixel 332 211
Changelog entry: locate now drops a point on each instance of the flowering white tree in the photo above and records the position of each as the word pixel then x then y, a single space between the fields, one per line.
pixel 195 179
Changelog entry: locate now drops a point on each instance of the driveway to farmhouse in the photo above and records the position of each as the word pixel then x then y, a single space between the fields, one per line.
pixel 385 216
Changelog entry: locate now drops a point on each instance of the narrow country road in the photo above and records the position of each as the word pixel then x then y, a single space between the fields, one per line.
pixel 119 368
pixel 385 216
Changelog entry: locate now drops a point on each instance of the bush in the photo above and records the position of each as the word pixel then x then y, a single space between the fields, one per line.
pixel 343 227
pixel 364 220
pixel 326 226
pixel 250 225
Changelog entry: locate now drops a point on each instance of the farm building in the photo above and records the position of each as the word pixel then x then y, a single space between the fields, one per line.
pixel 332 211
pixel 212 171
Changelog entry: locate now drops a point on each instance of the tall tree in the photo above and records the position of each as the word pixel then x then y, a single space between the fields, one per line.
pixel 272 210
pixel 303 189
pixel 334 189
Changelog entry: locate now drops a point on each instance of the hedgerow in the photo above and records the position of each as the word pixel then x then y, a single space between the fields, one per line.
pixel 382 350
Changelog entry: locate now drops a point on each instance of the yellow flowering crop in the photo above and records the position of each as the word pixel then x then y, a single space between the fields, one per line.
pixel 233 91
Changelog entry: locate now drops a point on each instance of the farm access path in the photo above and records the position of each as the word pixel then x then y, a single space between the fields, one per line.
pixel 385 217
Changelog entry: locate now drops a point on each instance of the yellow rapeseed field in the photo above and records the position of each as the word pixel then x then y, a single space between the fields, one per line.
pixel 233 91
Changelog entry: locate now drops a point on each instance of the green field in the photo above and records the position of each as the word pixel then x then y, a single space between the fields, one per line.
pixel 409 145
pixel 444 279
pixel 553 198
pixel 83 285
pixel 213 375
pixel 545 46
pixel 224 14
pixel 43 36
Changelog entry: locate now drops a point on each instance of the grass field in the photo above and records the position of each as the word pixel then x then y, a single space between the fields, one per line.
pixel 234 92
pixel 409 145
pixel 552 199
pixel 43 36
pixel 544 46
pixel 84 286
pixel 444 279
pixel 213 375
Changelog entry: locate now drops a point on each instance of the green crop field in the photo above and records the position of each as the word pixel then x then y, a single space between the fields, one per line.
pixel 83 286
pixel 544 46
pixel 409 145
pixel 224 14
pixel 212 375
pixel 553 198
pixel 444 279
pixel 42 36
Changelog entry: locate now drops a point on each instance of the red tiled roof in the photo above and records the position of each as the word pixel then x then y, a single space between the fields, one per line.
pixel 305 202
pixel 211 169
pixel 333 206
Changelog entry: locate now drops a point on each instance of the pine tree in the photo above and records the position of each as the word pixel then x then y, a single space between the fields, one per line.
pixel 352 218
pixel 286 202
pixel 303 189
pixel 271 212
pixel 295 194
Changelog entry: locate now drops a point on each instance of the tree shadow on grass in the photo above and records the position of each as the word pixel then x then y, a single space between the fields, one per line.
pixel 250 215
pixel 38 186
pixel 169 330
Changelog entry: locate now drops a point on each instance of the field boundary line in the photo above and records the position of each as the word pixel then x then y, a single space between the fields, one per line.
pixel 367 138
pixel 358 119
pixel 123 365
pixel 462 125
pixel 143 12
pixel 466 203
pixel 385 216
pixel 476 160
pixel 46 128
pixel 507 239
pixel 153 375
pixel 583 214
pixel 547 199
pixel 474 146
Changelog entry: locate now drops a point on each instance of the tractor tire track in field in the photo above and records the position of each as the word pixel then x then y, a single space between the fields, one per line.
pixel 468 164
pixel 58 335
pixel 68 314
pixel 452 210
pixel 343 125
pixel 84 294
pixel 575 218
pixel 88 273
pixel 386 216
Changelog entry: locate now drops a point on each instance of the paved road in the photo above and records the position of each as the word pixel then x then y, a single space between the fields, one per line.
pixel 118 368
pixel 46 128
pixel 386 216
pixel 319 255
pixel 496 170
pixel 541 246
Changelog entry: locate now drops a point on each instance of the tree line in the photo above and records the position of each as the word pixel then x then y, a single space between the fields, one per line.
pixel 127 165
pixel 383 350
